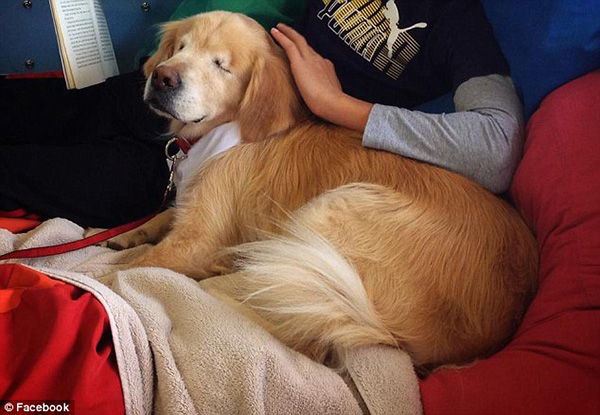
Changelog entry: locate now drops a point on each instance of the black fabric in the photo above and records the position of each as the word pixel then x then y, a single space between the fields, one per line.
pixel 456 45
pixel 93 156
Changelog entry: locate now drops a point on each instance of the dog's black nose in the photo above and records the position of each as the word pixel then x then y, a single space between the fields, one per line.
pixel 164 77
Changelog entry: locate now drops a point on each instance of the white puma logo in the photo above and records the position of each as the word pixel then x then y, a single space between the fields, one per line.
pixel 393 16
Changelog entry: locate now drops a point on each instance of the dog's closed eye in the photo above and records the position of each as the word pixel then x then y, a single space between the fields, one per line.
pixel 221 64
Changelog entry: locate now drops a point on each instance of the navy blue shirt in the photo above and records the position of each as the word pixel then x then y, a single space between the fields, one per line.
pixel 403 52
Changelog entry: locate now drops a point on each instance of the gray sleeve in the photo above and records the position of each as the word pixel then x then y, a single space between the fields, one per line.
pixel 482 140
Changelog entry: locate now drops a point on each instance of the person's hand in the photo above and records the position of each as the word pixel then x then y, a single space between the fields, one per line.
pixel 314 75
pixel 318 83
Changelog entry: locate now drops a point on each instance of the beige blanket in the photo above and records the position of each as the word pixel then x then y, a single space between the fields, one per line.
pixel 182 351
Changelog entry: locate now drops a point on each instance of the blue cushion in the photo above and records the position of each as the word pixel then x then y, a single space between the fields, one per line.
pixel 547 43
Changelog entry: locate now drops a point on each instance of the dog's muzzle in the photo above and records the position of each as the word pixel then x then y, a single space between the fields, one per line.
pixel 165 78
pixel 165 84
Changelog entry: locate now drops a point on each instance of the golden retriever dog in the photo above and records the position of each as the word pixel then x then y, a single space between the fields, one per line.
pixel 327 244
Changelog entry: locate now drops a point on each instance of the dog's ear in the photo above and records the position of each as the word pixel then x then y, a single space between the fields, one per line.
pixel 166 48
pixel 271 102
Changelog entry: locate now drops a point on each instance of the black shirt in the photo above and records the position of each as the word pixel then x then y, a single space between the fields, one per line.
pixel 403 52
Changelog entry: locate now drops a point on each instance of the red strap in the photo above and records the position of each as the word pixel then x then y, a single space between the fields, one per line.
pixel 183 144
pixel 35 75
pixel 75 245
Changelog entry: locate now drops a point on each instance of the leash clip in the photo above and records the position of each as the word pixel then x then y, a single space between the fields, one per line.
pixel 183 145
pixel 183 148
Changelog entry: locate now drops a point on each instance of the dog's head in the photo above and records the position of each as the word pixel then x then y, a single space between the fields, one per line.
pixel 216 67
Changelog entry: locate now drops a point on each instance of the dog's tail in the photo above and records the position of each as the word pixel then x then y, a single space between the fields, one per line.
pixel 307 295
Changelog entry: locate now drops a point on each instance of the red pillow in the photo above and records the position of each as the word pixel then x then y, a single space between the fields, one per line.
pixel 55 345
pixel 552 366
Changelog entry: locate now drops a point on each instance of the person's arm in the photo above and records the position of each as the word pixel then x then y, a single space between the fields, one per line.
pixel 318 83
pixel 482 140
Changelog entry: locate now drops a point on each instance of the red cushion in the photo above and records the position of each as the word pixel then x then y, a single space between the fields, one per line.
pixel 19 220
pixel 55 344
pixel 552 366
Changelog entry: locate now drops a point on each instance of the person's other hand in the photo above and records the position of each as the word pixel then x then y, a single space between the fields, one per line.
pixel 318 83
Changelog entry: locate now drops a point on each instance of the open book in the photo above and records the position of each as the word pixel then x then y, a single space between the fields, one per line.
pixel 86 49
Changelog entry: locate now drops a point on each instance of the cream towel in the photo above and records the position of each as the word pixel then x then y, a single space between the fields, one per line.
pixel 182 351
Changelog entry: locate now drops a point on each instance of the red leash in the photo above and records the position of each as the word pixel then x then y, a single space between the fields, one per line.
pixel 75 245
pixel 51 250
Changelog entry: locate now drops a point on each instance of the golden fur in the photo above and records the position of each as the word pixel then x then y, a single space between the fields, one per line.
pixel 332 245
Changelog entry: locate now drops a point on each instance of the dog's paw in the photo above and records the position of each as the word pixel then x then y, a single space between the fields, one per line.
pixel 93 231
pixel 128 240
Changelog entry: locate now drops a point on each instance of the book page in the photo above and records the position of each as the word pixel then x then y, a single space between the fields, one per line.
pixel 107 52
pixel 86 49
pixel 64 58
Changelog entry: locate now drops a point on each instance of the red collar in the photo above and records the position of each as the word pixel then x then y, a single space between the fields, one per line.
pixel 183 144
